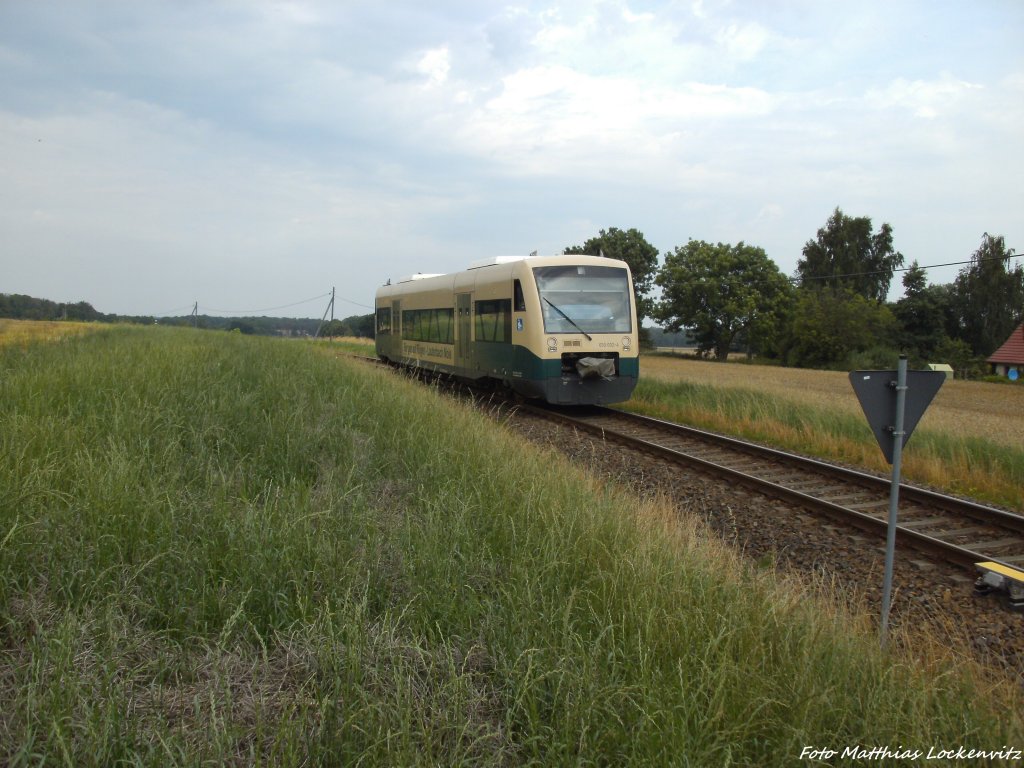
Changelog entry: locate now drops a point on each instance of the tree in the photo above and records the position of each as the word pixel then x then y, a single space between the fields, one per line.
pixel 828 329
pixel 631 247
pixel 720 291
pixel 989 296
pixel 361 325
pixel 242 326
pixel 922 315
pixel 847 256
pixel 335 328
pixel 957 353
pixel 915 280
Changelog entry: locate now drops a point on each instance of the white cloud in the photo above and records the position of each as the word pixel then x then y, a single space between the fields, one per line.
pixel 435 64
pixel 180 210
pixel 556 120
pixel 277 144
pixel 770 212
pixel 743 42
pixel 927 99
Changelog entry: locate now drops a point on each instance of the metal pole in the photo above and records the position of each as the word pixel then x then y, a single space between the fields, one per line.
pixel 894 493
pixel 330 308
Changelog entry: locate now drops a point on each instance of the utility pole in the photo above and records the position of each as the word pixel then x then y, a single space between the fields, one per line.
pixel 330 308
pixel 195 315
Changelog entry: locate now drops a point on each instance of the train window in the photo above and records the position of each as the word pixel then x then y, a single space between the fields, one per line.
pixel 436 325
pixel 518 300
pixel 384 320
pixel 583 297
pixel 493 320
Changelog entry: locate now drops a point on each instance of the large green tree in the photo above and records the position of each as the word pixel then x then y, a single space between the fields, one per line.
pixel 827 330
pixel 847 256
pixel 720 291
pixel 631 247
pixel 989 296
pixel 923 315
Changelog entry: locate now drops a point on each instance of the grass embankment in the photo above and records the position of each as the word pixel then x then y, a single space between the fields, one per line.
pixel 216 548
pixel 968 441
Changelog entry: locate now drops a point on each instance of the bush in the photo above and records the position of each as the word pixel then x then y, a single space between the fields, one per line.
pixel 877 358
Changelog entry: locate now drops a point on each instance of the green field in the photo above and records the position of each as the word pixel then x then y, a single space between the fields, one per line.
pixel 223 549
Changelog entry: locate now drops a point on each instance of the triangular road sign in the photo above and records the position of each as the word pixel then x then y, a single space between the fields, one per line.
pixel 876 391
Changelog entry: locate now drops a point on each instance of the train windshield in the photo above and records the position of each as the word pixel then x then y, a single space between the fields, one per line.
pixel 586 298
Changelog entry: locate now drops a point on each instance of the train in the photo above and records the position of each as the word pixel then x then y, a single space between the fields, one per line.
pixel 561 329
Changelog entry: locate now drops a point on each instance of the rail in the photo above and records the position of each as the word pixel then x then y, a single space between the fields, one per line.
pixel 958 530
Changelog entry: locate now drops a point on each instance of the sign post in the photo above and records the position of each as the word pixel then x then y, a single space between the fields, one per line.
pixel 894 492
pixel 894 402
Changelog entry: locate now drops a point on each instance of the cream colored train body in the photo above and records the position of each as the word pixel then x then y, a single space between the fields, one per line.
pixel 559 328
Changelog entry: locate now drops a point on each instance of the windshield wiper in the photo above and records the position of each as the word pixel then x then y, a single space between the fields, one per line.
pixel 589 337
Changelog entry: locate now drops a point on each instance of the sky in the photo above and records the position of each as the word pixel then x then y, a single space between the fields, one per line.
pixel 247 157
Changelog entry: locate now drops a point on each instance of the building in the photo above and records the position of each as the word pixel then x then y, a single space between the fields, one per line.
pixel 1008 360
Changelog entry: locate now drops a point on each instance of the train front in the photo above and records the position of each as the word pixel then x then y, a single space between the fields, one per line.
pixel 587 344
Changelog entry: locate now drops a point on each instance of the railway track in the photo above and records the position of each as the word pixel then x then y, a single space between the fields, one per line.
pixel 933 593
pixel 958 531
pixel 955 530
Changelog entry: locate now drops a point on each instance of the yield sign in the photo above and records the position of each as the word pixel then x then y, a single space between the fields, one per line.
pixel 877 392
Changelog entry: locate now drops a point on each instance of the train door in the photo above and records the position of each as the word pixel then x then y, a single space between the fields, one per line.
pixel 396 330
pixel 464 317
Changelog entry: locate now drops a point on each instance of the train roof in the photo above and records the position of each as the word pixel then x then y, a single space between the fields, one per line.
pixel 492 261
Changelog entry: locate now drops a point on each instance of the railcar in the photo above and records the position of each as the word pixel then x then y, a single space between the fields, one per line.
pixel 557 328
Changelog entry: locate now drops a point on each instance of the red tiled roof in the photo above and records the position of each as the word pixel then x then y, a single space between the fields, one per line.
pixel 1012 351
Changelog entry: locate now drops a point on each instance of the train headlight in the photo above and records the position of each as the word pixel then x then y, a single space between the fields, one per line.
pixel 626 342
pixel 552 344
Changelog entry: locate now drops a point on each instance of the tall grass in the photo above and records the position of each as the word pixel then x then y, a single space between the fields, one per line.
pixel 218 549
pixel 969 465
pixel 25 332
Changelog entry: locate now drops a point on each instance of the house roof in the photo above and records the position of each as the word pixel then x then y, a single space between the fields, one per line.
pixel 1012 351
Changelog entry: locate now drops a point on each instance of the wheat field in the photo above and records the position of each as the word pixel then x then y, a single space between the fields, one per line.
pixel 23 332
pixel 961 408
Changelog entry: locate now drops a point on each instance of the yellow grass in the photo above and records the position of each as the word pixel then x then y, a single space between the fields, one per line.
pixel 965 418
pixel 358 341
pixel 24 332
pixel 961 408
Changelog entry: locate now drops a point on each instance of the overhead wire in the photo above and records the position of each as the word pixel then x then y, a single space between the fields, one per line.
pixel 267 309
pixel 242 312
pixel 798 278
pixel 173 311
pixel 356 303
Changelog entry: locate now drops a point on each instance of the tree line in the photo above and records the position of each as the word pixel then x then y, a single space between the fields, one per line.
pixel 21 307
pixel 833 312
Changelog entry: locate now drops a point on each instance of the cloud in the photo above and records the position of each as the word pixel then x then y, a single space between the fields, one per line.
pixel 742 42
pixel 124 192
pixel 435 64
pixel 275 145
pixel 552 120
pixel 926 99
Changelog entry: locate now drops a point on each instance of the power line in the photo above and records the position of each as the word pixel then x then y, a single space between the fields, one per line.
pixel 355 303
pixel 241 312
pixel 797 279
pixel 174 311
pixel 265 309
